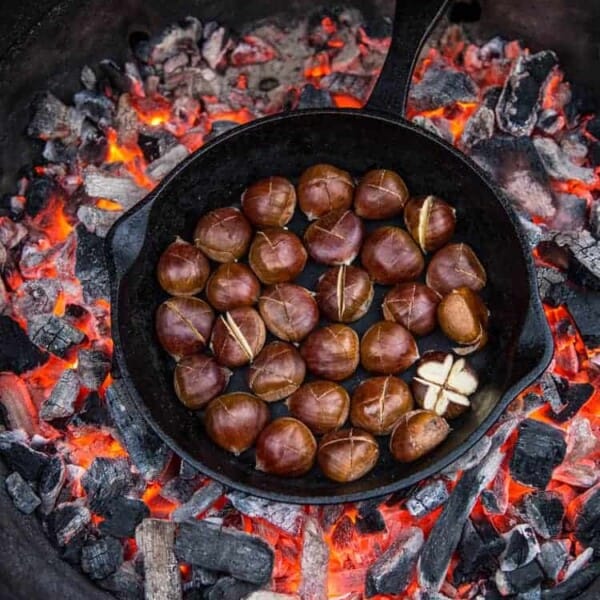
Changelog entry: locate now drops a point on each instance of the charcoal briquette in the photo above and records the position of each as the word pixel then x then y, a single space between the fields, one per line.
pixel 23 497
pixel 100 558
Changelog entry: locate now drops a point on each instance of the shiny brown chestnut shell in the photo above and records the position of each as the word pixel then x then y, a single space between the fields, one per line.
pixel 380 194
pixel 463 317
pixel 335 238
pixel 321 405
pixel 277 255
pixel 416 434
pixel 198 379
pixel 378 403
pixel 234 421
pixel 387 348
pixel 344 293
pixel 391 256
pixel 454 266
pixel 430 221
pixel 413 305
pixel 277 372
pixel 183 325
pixel 347 455
pixel 182 269
pixel 290 312
pixel 331 352
pixel 232 285
pixel 286 447
pixel 323 188
pixel 238 336
pixel 269 202
pixel 223 234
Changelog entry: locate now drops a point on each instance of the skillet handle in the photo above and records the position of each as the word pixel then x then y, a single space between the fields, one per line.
pixel 413 21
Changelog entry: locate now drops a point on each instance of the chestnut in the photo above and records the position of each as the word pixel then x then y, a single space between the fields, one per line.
pixel 390 256
pixel 347 455
pixel 430 221
pixel 223 234
pixel 335 238
pixel 413 305
pixel 380 194
pixel 269 202
pixel 232 285
pixel 416 433
pixel 321 405
pixel 323 188
pixel 344 293
pixel 277 372
pixel 234 421
pixel 277 255
pixel 183 325
pixel 378 402
pixel 198 379
pixel 290 312
pixel 331 352
pixel 238 336
pixel 387 347
pixel 182 269
pixel 286 447
pixel 454 266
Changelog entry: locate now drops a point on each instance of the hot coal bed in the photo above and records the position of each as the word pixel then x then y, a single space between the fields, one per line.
pixel 518 516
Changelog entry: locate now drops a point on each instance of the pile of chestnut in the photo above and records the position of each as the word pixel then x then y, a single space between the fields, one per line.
pixel 313 348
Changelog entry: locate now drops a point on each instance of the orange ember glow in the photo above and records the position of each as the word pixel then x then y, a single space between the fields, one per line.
pixel 346 101
pixel 454 116
pixel 131 157
pixel 328 25
pixel 154 111
pixel 110 205
pixel 53 222
pixel 318 67
pixel 160 508
pixel 88 443
pixel 239 116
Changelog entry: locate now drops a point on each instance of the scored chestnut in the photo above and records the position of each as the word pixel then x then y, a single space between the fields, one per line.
pixel 286 447
pixel 223 234
pixel 387 348
pixel 277 255
pixel 417 433
pixel 345 293
pixel 454 266
pixel 277 372
pixel 269 202
pixel 413 305
pixel 232 285
pixel 380 194
pixel 348 454
pixel 183 325
pixel 182 269
pixel 198 379
pixel 234 421
pixel 430 221
pixel 323 188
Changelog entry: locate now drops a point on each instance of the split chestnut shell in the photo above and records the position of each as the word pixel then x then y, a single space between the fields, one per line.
pixel 223 234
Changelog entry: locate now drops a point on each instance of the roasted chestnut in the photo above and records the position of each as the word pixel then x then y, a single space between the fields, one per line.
pixel 277 372
pixel 269 202
pixel 335 238
pixel 378 402
pixel 454 266
pixel 416 433
pixel 390 256
pixel 290 312
pixel 286 447
pixel 331 352
pixel 198 379
pixel 347 455
pixel 321 405
pixel 223 234
pixel 232 285
pixel 387 347
pixel 344 294
pixel 238 336
pixel 182 269
pixel 430 221
pixel 413 305
pixel 381 194
pixel 323 188
pixel 277 255
pixel 183 325
pixel 234 421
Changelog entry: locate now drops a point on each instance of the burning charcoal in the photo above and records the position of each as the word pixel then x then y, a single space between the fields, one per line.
pixel 520 580
pixel 180 489
pixel 470 458
pixel 125 583
pixel 548 280
pixel 436 128
pixel 441 87
pixel 545 512
pixel 392 571
pixel 330 515
pixel 574 145
pixel 215 48
pixel 558 164
pixel 584 255
pixel 314 561
pixel 21 493
pixel 287 517
pixel 579 563
pixel 93 412
pixel 251 50
pixel 21 458
pixel 200 579
pixel 167 162
pixel 175 62
pixel 573 396
pixel 11 233
pixel 101 184
pixel 102 557
pixel 122 516
pixel 54 120
pixel 595 220
pixel 221 126
pixel 587 519
pixel 61 402
pixel 91 269
pixel 427 498
pixel 583 473
pixel 149 145
pixel 495 499
pixel 370 519
pixel 88 77
pixel 311 97
pixel 68 521
pixel 96 107
pixel 552 558
pixel 54 334
pixel 51 483
pixel 16 407
pixel 479 127
pixel 522 547
pixel 520 99
pixel 112 72
pixel 549 384
pixel 575 586
pixel 17 353
pixel 264 595
pixel 96 220
pixel 571 213
pixel 347 83
pixel 39 191
pixel 539 449
pixel 184 34
pixel 201 501
pixel 228 588
pixel 92 368
pixel 105 480
pixel 549 121
pixel 56 151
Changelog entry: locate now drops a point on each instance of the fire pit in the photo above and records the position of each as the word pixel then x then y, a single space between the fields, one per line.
pixel 518 516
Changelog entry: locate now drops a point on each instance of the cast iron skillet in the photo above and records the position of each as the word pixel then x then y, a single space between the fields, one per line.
pixel 520 344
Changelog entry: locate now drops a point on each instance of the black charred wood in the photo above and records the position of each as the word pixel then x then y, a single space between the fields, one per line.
pixel 124 583
pixel 54 334
pixel 558 163
pixel 584 258
pixel 544 511
pixel 17 353
pixel 427 498
pixel 522 579
pixel 61 402
pixel 115 75
pixel 371 521
pixel 179 489
pixel 52 119
pixel 343 532
pixel 105 480
pixel 311 97
pixel 442 87
pixel 349 83
pixel 67 522
pixel 23 497
pixel 96 107
pixel 93 412
pixel 93 367
pixel 38 193
pixel 122 516
pixel 21 458
pixel 51 483
pixel 200 501
pixel 575 585
pixel 549 384
pixel 552 558
pixel 228 588
pixel 102 557
pixel 522 547
pixel 587 522
pixel 90 265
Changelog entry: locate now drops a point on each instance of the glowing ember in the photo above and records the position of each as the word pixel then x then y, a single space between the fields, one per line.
pixel 131 157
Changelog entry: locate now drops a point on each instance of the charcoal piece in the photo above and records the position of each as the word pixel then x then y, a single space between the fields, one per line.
pixel 215 48
pixel 549 121
pixel 54 120
pixel 93 367
pixel 124 583
pixel 584 258
pixel 51 483
pixel 244 556
pixel 521 548
pixel 539 449
pixel 106 479
pixel 370 521
pixel 17 353
pixel 221 126
pixel 37 297
pixel 520 580
pixel 25 460
pixel 90 265
pixel 88 77
pixel 61 402
pixel 228 588
pixel 200 579
pixel 558 164
pixel 575 146
pixel 580 561
pixel 571 213
pixel 573 397
pixel 311 97
pixel 54 334
pixel 180 490
pixel 595 217
pixel 550 283
pixel 68 521
pixel 552 558
pixel 167 162
pixel 427 498
pixel 184 34
pixel 200 501
pixel 93 412
pixel 587 521
pixel 469 459
pixel 122 516
pixel 38 193
pixel 23 497
pixel 102 557
pixel 575 586
pixel 96 220
pixel 392 571
pixel 267 84
pixel 479 127
pixel 314 561
pixel 544 512
pixel 439 127
pixel 115 76
pixel 441 87
pixel 96 107
pixel 56 151
pixel 122 189
pixel 17 410
pixel 347 83
pixel 519 101
pixel 330 514
pixel 549 384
